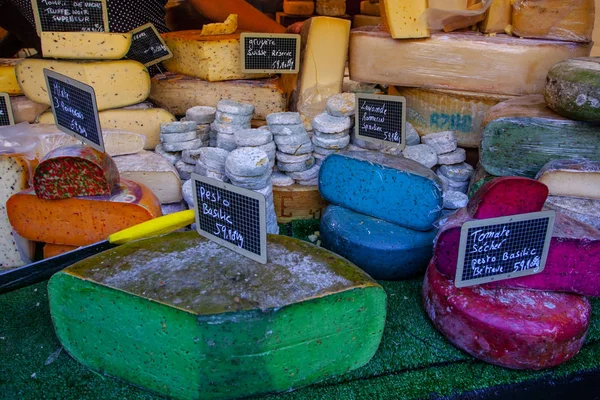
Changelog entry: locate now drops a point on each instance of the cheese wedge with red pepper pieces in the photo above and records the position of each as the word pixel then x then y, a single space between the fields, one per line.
pixel 72 171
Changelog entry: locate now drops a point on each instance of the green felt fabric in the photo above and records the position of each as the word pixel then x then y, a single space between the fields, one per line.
pixel 414 361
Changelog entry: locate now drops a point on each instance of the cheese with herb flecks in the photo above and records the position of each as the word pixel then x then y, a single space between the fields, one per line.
pixel 85 45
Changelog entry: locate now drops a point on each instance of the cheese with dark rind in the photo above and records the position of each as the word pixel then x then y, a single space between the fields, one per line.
pixel 584 210
pixel 220 55
pixel 178 93
pixel 518 329
pixel 187 318
pixel 568 20
pixel 573 263
pixel 501 197
pixel 383 250
pixel 116 83
pixel 459 61
pixel 521 135
pixel 80 221
pixel 573 89
pixel 395 189
pixel 76 170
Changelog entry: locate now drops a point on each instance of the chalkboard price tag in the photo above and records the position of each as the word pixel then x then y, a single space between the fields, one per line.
pixel 381 119
pixel 147 46
pixel 503 248
pixel 231 216
pixel 271 53
pixel 70 15
pixel 6 113
pixel 74 108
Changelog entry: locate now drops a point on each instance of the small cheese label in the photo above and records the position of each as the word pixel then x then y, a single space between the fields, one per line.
pixel 503 248
pixel 147 46
pixel 381 119
pixel 70 15
pixel 231 216
pixel 6 114
pixel 74 108
pixel 276 53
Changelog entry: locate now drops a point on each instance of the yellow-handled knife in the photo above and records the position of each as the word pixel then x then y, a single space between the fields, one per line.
pixel 39 271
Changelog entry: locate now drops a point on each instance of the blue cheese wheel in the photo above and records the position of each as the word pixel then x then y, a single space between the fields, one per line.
pixel 383 250
pixel 392 188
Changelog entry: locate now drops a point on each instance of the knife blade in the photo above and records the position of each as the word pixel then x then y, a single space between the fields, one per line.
pixel 41 270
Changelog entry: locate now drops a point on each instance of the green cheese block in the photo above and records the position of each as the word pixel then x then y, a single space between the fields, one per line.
pixel 573 88
pixel 479 178
pixel 184 317
pixel 521 135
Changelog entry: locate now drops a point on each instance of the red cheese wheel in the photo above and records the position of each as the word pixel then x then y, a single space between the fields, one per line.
pixel 512 328
pixel 73 171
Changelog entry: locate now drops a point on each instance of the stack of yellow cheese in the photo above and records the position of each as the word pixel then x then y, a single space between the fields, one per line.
pixel 370 14
pixel 451 79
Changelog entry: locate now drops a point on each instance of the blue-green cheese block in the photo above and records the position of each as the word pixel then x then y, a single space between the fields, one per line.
pixel 521 135
pixel 384 250
pixel 186 318
pixel 391 188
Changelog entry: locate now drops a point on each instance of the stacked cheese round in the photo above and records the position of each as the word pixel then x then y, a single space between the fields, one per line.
pixel 231 116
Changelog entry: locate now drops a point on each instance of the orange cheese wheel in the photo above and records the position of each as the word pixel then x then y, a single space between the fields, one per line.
pixel 51 250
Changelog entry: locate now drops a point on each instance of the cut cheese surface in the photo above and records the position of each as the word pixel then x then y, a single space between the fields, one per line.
pixel 25 110
pixel 448 4
pixel 405 18
pixel 227 27
pixel 8 77
pixel 80 221
pixel 85 45
pixel 498 17
pixel 178 93
pixel 521 135
pixel 230 326
pixel 519 329
pixel 459 61
pixel 220 55
pixel 368 8
pixel 322 70
pixel 570 20
pixel 14 171
pixel 383 250
pixel 143 121
pixel 576 178
pixel 391 188
pixel 116 83
pixel 153 171
pixel 437 110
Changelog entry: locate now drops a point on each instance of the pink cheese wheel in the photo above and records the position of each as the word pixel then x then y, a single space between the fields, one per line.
pixel 512 328
pixel 74 171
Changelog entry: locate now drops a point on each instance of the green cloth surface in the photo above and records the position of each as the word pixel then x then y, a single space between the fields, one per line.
pixel 414 361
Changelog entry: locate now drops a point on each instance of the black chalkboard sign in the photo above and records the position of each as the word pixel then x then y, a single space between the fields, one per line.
pixel 503 248
pixel 147 46
pixel 277 53
pixel 6 113
pixel 74 108
pixel 381 119
pixel 70 15
pixel 231 216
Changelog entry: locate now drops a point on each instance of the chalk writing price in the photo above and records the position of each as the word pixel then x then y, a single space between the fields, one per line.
pixel 70 15
pixel 6 115
pixel 147 46
pixel 276 53
pixel 380 118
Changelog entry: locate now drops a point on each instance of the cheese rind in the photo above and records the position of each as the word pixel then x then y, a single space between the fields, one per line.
pixel 25 110
pixel 583 210
pixel 178 93
pixel 306 310
pixel 368 8
pixel 405 18
pixel 521 135
pixel 146 122
pixel 459 61
pixel 383 250
pixel 517 329
pixel 116 83
pixel 498 17
pixel 436 110
pixel 330 8
pixel 365 20
pixel 570 20
pixel 220 55
pixel 8 77
pixel 85 45
pixel 395 189
pixel 577 178
pixel 295 7
pixel 80 221
pixel 322 71
pixel 153 171
pixel 51 250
